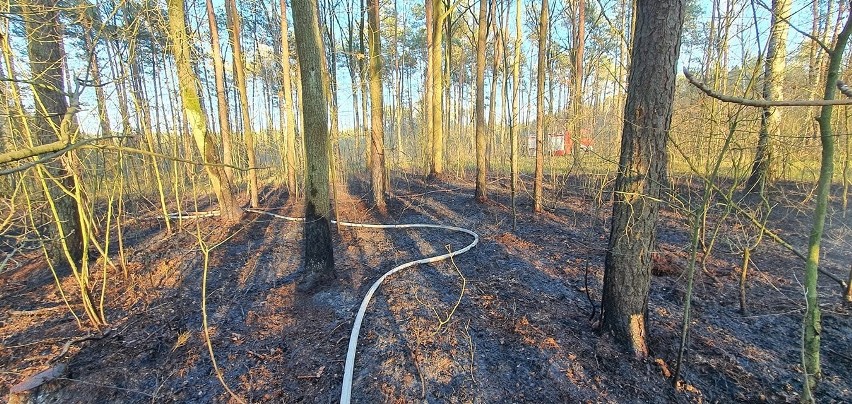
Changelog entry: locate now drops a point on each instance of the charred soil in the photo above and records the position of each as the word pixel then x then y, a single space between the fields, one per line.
pixel 512 320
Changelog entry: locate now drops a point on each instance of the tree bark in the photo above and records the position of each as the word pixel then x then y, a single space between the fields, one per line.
pixel 481 194
pixel 543 29
pixel 52 123
pixel 318 256
pixel 196 119
pixel 287 105
pixel 240 74
pixel 438 17
pixel 377 133
pixel 773 85
pixel 221 91
pixel 427 86
pixel 812 321
pixel 647 119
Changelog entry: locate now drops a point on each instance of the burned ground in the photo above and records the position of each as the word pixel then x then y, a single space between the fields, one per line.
pixel 513 320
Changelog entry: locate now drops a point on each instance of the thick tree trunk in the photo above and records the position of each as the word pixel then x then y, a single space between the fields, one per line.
pixel 221 91
pixel 318 258
pixel 647 118
pixel 377 133
pixel 196 119
pixel 240 74
pixel 481 183
pixel 773 85
pixel 543 29
pixel 51 124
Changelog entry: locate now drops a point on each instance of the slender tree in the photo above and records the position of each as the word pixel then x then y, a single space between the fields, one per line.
pixel 427 85
pixel 318 258
pixel 439 16
pixel 195 116
pixel 240 73
pixel 812 322
pixel 773 84
pixel 543 32
pixel 641 171
pixel 286 105
pixel 577 98
pixel 221 91
pixel 482 33
pixel 377 133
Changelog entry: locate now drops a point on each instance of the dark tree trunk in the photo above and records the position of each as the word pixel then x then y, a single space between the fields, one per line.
pixel 318 259
pixel 647 118
pixel 52 123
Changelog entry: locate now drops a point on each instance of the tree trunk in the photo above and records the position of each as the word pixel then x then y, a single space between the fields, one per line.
pixel 439 15
pixel 543 29
pixel 240 74
pixel 221 92
pixel 287 104
pixel 196 119
pixel 812 322
pixel 513 132
pixel 647 119
pixel 95 71
pixel 577 96
pixel 427 86
pixel 377 133
pixel 51 124
pixel 773 85
pixel 481 182
pixel 318 258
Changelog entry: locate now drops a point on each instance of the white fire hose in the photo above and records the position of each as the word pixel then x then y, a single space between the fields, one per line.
pixel 349 368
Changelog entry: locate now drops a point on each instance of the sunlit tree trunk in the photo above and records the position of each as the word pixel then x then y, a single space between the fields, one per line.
pixel 221 91
pixel 240 75
pixel 318 256
pixel 641 171
pixel 543 29
pixel 287 104
pixel 481 183
pixel 377 133
pixel 427 85
pixel 196 119
pixel 773 85
pixel 439 15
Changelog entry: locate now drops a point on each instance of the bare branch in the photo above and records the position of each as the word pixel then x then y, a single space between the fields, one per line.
pixel 761 103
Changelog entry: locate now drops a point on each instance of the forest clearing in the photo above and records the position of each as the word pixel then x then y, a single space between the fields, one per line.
pixel 433 201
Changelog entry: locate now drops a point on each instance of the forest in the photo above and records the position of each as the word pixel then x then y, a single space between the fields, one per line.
pixel 425 201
